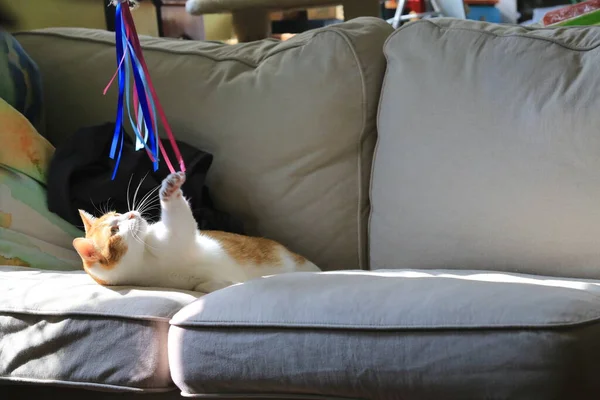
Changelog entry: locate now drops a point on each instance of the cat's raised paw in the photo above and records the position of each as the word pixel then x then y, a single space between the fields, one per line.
pixel 171 186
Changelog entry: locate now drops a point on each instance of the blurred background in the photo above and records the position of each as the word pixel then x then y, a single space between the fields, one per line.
pixel 35 14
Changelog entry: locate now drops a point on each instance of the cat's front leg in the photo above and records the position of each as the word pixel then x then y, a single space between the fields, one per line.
pixel 176 214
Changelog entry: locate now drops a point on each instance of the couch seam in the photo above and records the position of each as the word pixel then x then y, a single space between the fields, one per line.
pixel 361 133
pixel 145 46
pixel 481 31
pixel 376 148
pixel 263 396
pixel 54 313
pixel 199 53
pixel 406 327
pixel 82 384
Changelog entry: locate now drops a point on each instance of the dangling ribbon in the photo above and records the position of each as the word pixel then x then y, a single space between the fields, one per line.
pixel 138 50
pixel 146 105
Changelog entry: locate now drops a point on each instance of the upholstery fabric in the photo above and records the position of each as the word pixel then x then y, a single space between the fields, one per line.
pixel 292 150
pixel 62 328
pixel 392 335
pixel 30 235
pixel 20 81
pixel 488 150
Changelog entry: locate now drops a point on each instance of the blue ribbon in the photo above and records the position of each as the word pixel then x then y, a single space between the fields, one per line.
pixel 119 123
pixel 141 140
pixel 118 159
pixel 124 47
pixel 127 102
pixel 141 87
pixel 140 122
pixel 146 92
pixel 153 136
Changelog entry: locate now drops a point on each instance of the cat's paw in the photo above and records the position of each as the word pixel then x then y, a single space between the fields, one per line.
pixel 171 186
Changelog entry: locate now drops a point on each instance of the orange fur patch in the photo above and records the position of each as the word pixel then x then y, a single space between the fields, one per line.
pixel 246 249
pixel 298 259
pixel 110 248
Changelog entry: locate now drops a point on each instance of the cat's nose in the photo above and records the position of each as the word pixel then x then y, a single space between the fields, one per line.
pixel 131 216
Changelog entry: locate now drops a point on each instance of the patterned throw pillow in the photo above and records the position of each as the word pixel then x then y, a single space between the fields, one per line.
pixel 30 235
pixel 20 81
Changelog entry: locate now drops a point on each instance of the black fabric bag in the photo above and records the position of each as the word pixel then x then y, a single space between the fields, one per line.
pixel 80 178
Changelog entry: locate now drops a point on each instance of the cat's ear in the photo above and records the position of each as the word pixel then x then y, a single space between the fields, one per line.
pixel 87 218
pixel 86 250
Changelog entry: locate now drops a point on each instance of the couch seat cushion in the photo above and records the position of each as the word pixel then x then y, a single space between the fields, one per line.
pixel 392 335
pixel 63 328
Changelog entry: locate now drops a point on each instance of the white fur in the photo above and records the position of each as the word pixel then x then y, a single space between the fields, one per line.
pixel 173 253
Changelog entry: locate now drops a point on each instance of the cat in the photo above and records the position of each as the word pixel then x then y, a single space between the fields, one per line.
pixel 125 249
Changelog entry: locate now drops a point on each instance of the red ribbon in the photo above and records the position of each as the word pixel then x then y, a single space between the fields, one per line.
pixel 138 51
pixel 132 36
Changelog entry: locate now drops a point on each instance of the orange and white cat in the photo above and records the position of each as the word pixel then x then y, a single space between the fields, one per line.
pixel 124 249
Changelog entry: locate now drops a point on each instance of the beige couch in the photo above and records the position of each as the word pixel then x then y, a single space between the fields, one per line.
pixel 463 250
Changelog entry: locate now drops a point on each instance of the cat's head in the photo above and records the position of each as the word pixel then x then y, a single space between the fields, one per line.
pixel 110 240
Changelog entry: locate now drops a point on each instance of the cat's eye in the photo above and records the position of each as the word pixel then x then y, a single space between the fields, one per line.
pixel 114 230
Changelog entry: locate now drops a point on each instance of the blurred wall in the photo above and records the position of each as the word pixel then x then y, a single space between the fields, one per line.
pixel 32 14
pixel 36 14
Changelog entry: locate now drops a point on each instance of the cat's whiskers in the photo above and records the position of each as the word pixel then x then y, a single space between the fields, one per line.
pixel 106 207
pixel 151 208
pixel 149 218
pixel 135 235
pixel 138 188
pixel 128 185
pixel 96 208
pixel 145 213
pixel 149 197
pixel 146 196
pixel 147 200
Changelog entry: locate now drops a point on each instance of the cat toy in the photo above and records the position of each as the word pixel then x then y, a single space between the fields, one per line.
pixel 146 106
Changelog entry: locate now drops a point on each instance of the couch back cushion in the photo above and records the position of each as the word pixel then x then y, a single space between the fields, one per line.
pixel 489 150
pixel 291 124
